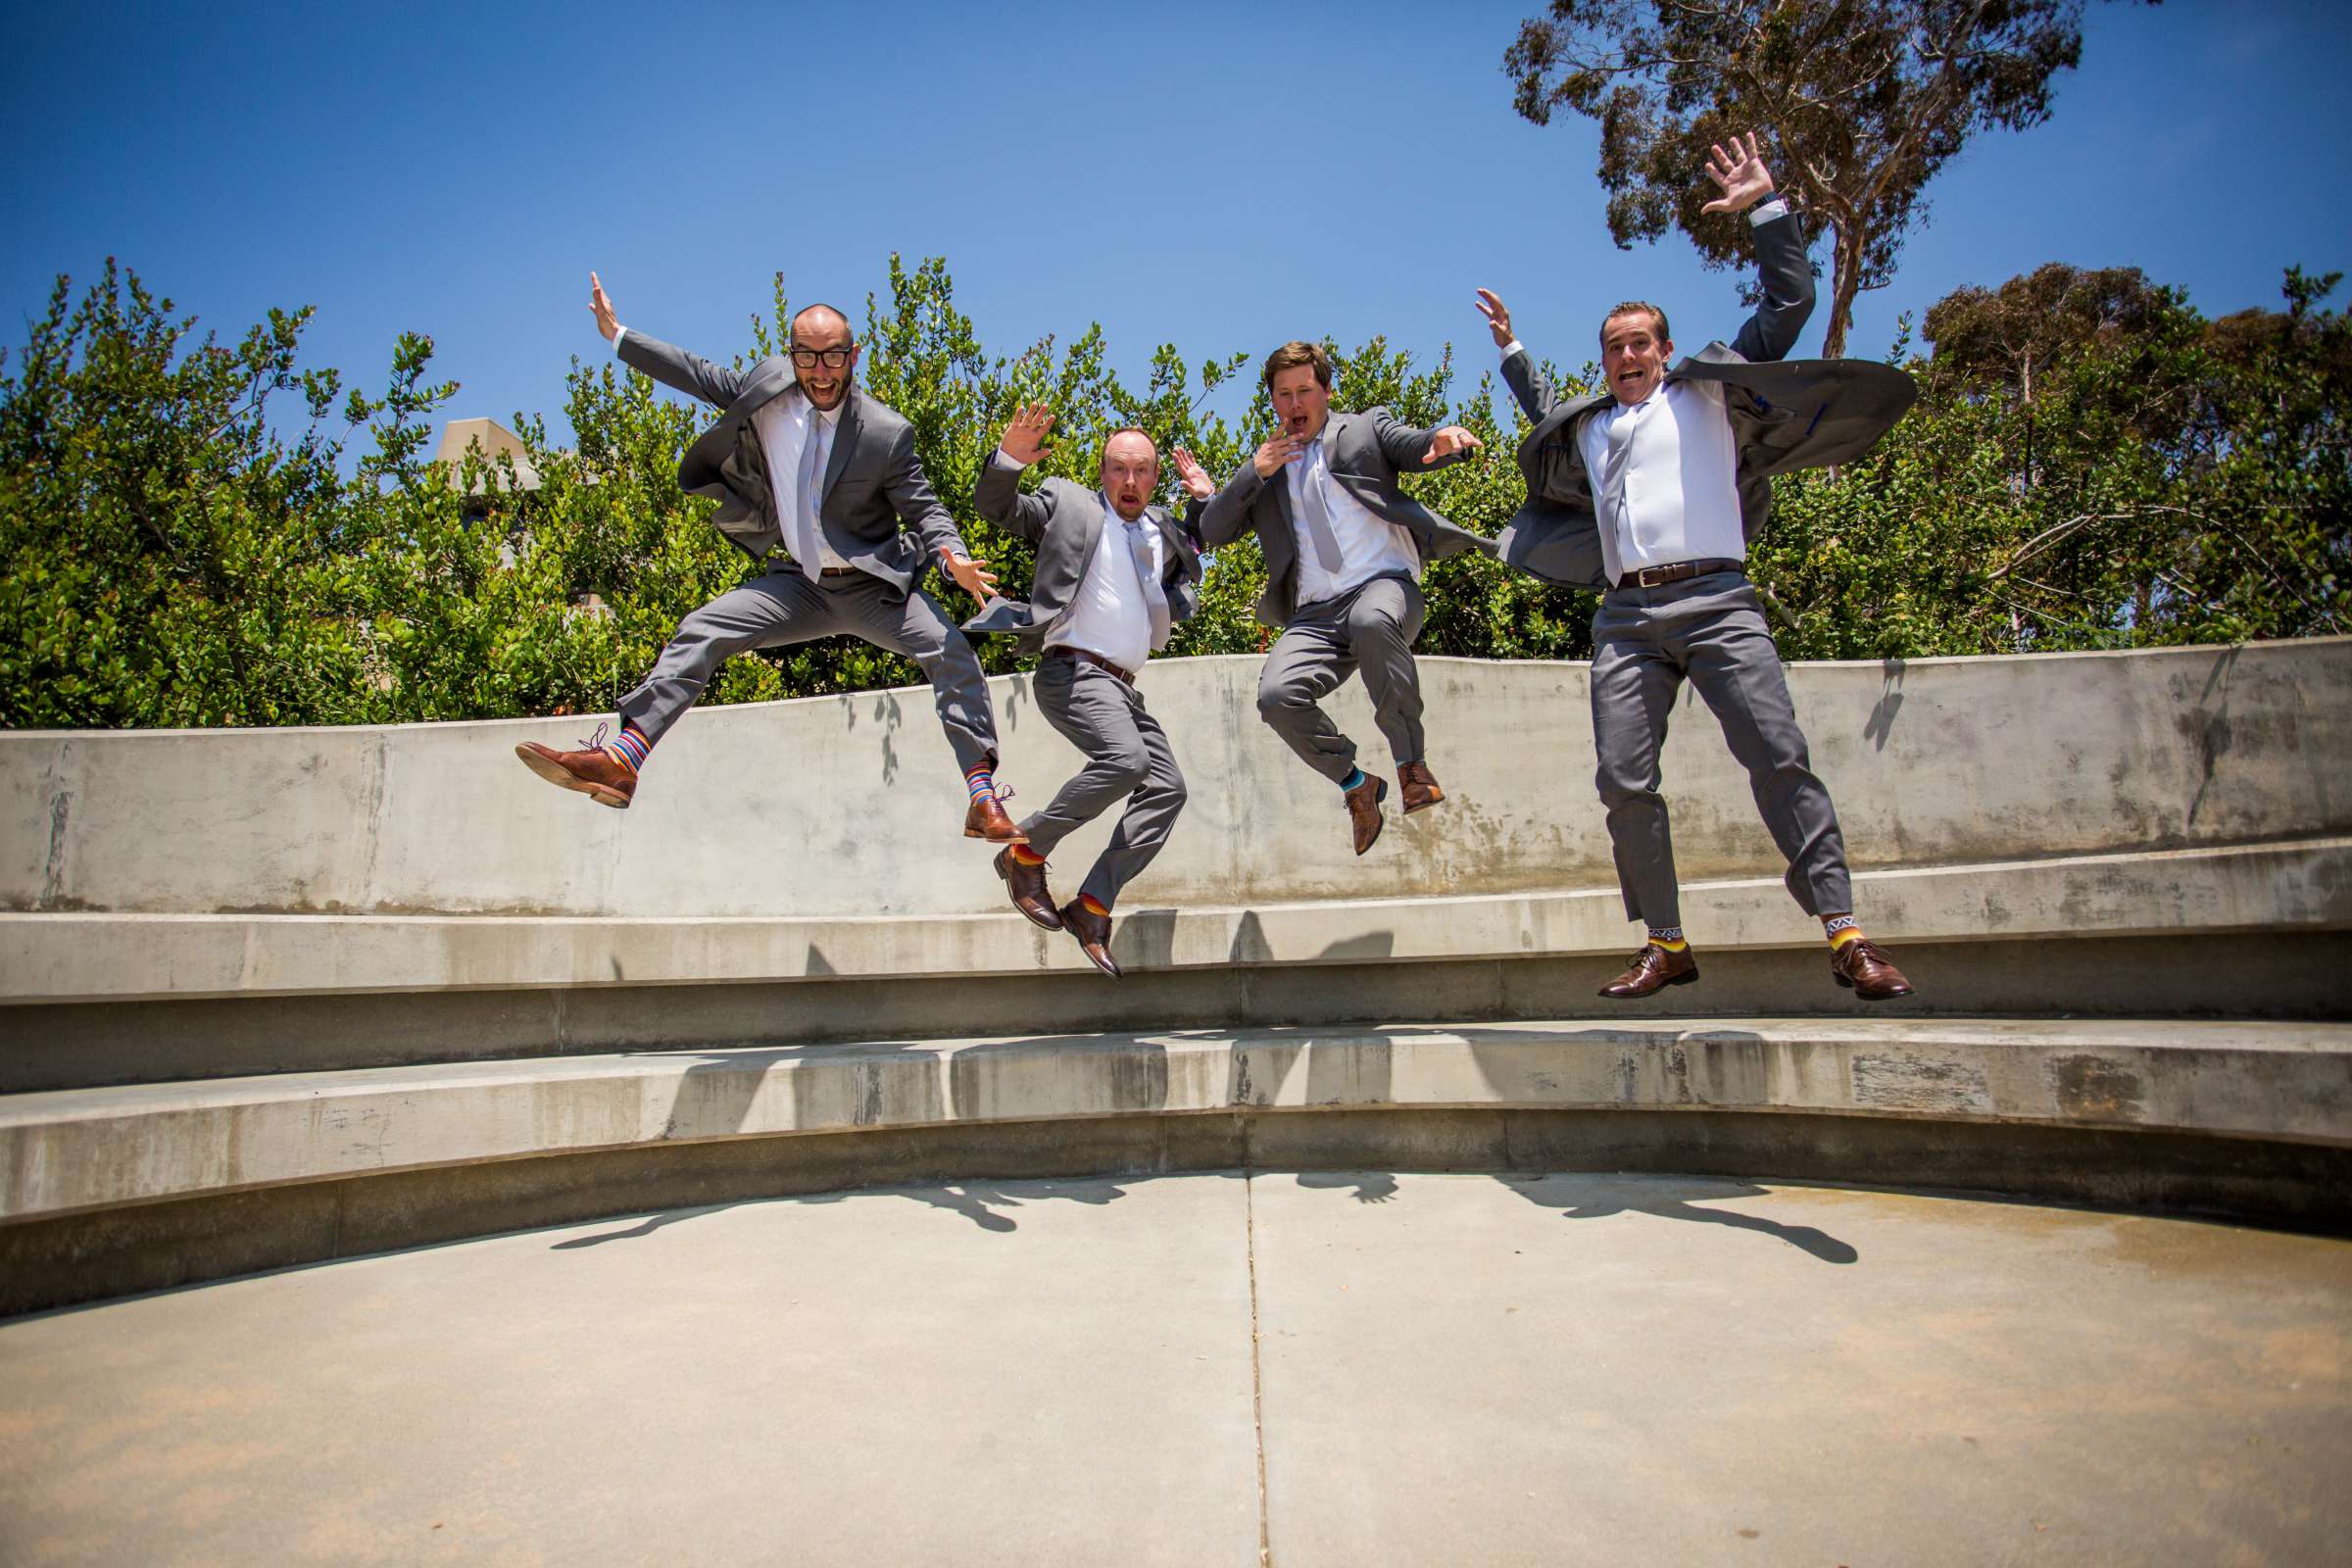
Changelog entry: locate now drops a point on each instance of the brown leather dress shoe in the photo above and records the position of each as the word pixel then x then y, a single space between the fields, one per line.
pixel 1866 971
pixel 1093 932
pixel 592 770
pixel 1363 809
pixel 1420 786
pixel 1027 885
pixel 1654 969
pixel 987 821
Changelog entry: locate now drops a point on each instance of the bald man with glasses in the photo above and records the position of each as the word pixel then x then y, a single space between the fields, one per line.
pixel 821 484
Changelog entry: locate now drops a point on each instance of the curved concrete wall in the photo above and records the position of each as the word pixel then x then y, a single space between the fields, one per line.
pixel 848 806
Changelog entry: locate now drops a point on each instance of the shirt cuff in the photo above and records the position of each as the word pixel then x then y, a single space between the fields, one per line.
pixel 618 333
pixel 1514 346
pixel 1775 206
pixel 998 459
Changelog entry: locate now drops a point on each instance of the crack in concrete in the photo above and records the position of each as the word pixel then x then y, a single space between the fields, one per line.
pixel 1257 1390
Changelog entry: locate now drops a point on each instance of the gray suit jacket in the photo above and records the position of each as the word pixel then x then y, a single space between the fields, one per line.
pixel 874 488
pixel 1805 414
pixel 1065 521
pixel 1365 452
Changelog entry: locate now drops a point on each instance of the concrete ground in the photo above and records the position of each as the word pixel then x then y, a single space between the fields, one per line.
pixel 1307 1369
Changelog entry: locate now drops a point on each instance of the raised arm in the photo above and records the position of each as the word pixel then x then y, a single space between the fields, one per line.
pixel 1520 372
pixel 1225 516
pixel 665 363
pixel 1784 274
pixel 1410 449
pixel 998 494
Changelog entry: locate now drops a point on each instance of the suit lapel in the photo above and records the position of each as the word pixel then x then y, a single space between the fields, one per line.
pixel 845 440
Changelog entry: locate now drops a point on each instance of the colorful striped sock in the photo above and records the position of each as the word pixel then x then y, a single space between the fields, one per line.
pixel 1353 780
pixel 630 748
pixel 1840 929
pixel 981 781
pixel 1093 905
pixel 1669 937
pixel 1023 855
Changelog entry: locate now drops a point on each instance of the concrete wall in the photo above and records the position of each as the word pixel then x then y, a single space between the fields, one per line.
pixel 850 806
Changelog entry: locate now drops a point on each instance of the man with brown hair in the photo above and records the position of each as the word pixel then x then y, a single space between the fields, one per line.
pixel 1344 547
pixel 1650 491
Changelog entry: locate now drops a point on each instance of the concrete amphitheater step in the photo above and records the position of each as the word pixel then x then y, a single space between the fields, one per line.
pixel 192 1180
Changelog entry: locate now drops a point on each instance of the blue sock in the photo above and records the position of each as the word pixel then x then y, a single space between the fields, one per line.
pixel 1353 780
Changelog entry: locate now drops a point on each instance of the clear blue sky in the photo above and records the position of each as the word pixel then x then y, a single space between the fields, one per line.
pixel 1220 176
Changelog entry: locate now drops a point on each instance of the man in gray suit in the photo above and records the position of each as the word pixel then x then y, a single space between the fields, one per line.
pixel 1650 491
pixel 821 483
pixel 1114 573
pixel 1344 547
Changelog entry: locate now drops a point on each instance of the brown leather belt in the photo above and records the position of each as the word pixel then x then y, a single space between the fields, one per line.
pixel 1660 577
pixel 838 571
pixel 1097 659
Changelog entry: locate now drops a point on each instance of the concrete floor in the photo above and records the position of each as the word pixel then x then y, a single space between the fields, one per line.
pixel 1447 1370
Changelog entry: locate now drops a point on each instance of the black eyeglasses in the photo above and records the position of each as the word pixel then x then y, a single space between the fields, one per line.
pixel 809 358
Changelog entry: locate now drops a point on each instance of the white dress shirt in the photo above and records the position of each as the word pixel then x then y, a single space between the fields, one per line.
pixel 1682 481
pixel 784 423
pixel 1682 489
pixel 1370 546
pixel 1108 617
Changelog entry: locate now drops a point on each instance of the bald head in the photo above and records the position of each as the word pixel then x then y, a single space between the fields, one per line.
pixel 821 320
pixel 1130 471
pixel 823 354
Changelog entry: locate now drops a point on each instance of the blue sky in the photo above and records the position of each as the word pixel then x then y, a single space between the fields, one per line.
pixel 1222 178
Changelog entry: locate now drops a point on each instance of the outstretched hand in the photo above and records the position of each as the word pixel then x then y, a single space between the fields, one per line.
pixel 1446 442
pixel 1499 317
pixel 1195 478
pixel 1025 438
pixel 972 576
pixel 600 305
pixel 1742 173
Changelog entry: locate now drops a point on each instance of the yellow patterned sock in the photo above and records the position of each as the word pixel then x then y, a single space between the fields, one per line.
pixel 1023 855
pixel 1669 937
pixel 1840 929
pixel 1093 905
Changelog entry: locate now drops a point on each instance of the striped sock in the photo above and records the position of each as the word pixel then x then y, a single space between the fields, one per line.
pixel 1840 929
pixel 1353 780
pixel 1093 905
pixel 981 781
pixel 1669 937
pixel 629 747
pixel 1023 855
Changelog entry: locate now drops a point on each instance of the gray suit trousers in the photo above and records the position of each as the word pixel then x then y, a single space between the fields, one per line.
pixel 1371 628
pixel 784 607
pixel 1127 758
pixel 1646 641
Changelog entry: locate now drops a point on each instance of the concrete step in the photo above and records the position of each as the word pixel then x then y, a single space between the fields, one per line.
pixel 104 1191
pixel 84 1149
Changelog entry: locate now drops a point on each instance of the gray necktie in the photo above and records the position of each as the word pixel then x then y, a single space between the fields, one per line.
pixel 805 526
pixel 1155 598
pixel 1318 514
pixel 1613 463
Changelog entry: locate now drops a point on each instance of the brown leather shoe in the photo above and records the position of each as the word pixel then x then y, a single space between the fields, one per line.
pixel 1863 969
pixel 987 821
pixel 1654 969
pixel 1093 932
pixel 1420 786
pixel 1027 885
pixel 1363 809
pixel 592 770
